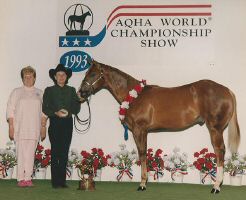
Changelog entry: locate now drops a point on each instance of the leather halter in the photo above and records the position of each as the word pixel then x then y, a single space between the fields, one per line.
pixel 94 82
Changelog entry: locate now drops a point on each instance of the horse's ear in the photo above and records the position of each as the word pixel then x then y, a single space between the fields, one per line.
pixel 95 62
pixel 90 61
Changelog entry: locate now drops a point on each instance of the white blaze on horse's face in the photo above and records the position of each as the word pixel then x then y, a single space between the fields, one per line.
pixel 91 83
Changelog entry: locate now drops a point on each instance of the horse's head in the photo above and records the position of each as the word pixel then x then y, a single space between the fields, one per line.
pixel 93 81
pixel 88 13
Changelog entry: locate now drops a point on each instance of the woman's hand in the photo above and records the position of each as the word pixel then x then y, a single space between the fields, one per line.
pixel 62 113
pixel 11 128
pixel 43 133
pixel 11 132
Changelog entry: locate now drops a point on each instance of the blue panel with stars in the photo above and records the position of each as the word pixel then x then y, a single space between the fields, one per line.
pixel 82 41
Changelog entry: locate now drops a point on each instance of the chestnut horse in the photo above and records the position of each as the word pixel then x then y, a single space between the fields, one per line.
pixel 169 109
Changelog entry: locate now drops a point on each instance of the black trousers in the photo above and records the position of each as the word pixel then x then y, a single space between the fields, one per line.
pixel 60 135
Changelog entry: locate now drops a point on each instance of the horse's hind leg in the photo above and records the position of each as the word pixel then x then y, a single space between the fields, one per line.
pixel 219 150
pixel 140 138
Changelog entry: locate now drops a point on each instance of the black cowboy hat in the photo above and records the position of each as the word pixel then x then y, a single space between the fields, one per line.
pixel 59 68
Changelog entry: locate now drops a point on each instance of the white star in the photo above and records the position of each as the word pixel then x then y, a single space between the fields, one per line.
pixel 65 42
pixel 76 42
pixel 87 42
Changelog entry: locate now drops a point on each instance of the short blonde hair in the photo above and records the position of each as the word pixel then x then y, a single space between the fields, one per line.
pixel 27 70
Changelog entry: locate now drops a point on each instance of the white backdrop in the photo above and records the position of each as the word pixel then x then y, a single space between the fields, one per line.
pixel 29 36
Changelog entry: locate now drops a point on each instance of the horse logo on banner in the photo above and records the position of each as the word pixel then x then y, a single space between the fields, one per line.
pixel 78 19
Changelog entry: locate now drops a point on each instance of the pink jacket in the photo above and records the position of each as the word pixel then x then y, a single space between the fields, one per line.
pixel 25 107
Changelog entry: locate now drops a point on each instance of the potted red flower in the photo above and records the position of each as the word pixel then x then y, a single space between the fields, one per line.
pixel 41 162
pixel 206 163
pixel 155 164
pixel 93 162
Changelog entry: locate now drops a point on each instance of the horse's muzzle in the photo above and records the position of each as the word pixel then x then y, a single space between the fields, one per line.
pixel 85 94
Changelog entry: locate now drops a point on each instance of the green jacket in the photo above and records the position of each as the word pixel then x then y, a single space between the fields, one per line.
pixel 56 98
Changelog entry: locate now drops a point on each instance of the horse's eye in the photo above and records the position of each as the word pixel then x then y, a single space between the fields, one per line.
pixel 93 75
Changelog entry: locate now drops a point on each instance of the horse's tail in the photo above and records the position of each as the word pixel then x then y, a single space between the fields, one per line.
pixel 233 129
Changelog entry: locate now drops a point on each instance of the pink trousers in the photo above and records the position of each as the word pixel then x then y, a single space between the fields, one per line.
pixel 25 151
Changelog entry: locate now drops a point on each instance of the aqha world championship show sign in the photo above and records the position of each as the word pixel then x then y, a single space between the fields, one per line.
pixel 144 26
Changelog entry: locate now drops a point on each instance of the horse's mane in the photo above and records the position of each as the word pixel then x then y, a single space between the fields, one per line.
pixel 118 82
pixel 120 73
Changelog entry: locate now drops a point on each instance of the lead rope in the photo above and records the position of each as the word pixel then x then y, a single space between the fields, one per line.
pixel 83 122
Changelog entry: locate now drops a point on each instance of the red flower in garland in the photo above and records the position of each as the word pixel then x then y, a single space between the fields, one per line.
pixel 122 111
pixel 130 97
pixel 138 88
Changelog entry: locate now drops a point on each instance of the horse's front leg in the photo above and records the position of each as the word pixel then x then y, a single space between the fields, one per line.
pixel 142 156
pixel 140 138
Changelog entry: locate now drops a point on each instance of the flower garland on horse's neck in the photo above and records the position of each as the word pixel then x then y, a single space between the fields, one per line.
pixel 132 94
pixel 118 82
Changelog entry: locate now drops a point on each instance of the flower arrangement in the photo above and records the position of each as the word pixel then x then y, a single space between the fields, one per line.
pixel 206 163
pixel 7 158
pixel 72 161
pixel 176 162
pixel 89 163
pixel 235 164
pixel 155 162
pixel 123 160
pixel 72 158
pixel 42 158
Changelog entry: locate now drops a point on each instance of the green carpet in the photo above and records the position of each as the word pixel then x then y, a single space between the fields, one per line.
pixel 118 191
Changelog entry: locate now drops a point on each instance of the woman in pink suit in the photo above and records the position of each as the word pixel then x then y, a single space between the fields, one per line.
pixel 26 124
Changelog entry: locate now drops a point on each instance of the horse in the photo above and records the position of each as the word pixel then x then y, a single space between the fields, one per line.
pixel 169 109
pixel 78 18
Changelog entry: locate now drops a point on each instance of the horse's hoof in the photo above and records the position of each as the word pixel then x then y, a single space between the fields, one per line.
pixel 215 191
pixel 141 188
pixel 221 183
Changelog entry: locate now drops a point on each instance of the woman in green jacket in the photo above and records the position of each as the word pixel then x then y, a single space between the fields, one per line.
pixel 60 102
